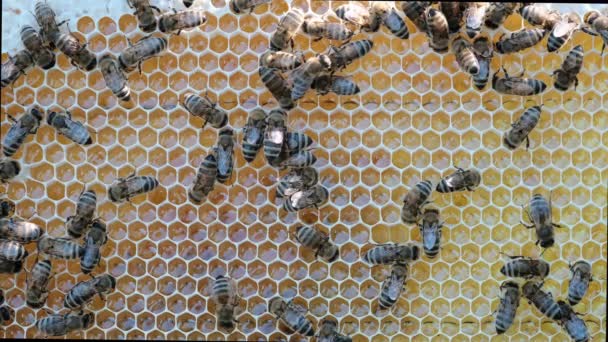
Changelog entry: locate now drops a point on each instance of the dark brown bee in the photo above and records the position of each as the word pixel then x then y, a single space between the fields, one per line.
pixel 205 179
pixel 430 229
pixel 540 215
pixel 313 238
pixel 291 315
pixel 288 26
pixel 339 85
pixel 82 293
pixel 344 55
pixel 318 28
pixel 302 77
pixel 137 53
pixel 579 284
pixel 415 11
pixel 482 47
pixel 204 108
pixel 454 13
pixel 240 6
pixel 393 286
pixel 15 66
pixel 49 28
pixel 517 85
pixel 598 25
pixel 299 160
pixel 125 188
pixel 464 56
pixel 540 16
pixel 474 15
pixel 524 267
pixel 328 331
pixel 281 60
pixel 543 301
pixel 10 267
pixel 8 169
pixel 178 21
pixel 388 15
pixel 414 200
pixel 60 248
pixel 297 180
pixel 575 326
pixel 60 325
pixel 69 128
pixel 519 40
pixel 95 238
pixel 497 13
pixel 505 314
pixel 315 196
pixel 226 298
pixel 145 15
pixel 78 224
pixel 44 57
pixel 19 230
pixel 80 56
pixel 567 75
pixel 7 208
pixel 277 86
pixel 274 135
pixel 16 135
pixel 437 30
pixel 12 251
pixel 562 31
pixel 390 253
pixel 37 284
pixel 459 181
pixel 253 134
pixel 522 127
pixel 114 77
pixel 224 154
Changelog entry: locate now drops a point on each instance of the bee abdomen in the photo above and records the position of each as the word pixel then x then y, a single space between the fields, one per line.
pixel 396 25
pixel 549 307
pixel 149 183
pixel 520 40
pixel 344 86
pixel 250 151
pixel 555 43
pixel 300 160
pixel 12 251
pixel 307 236
pixel 182 20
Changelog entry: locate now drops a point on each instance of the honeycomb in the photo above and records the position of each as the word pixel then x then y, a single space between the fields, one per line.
pixel 417 116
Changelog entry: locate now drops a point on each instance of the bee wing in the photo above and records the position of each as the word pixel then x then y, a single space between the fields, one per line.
pixel 394 287
pixel 515 83
pixel 276 136
pixel 224 160
pixel 15 132
pixel 429 236
pixel 252 134
pixel 564 28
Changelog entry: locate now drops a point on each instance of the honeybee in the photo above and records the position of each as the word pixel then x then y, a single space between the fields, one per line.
pixel 357 15
pixel 482 47
pixel 15 66
pixel 226 298
pixel 274 135
pixel 302 77
pixel 82 293
pixel 288 26
pixel 415 11
pixel 562 31
pixel 543 301
pixel 521 128
pixel 291 315
pixel 392 286
pixel 19 230
pixel 454 12
pixel 224 154
pixel 37 284
pixel 7 208
pixel 328 331
pixel 131 186
pixel 566 75
pixel 79 55
pixel 474 15
pixel 414 200
pixel 96 237
pixel 240 6
pixel 339 85
pixel 387 14
pixel 137 53
pixel 390 253
pixel 519 40
pixel 344 55
pixel 598 25
pixel 205 179
pixel 85 208
pixel 318 28
pixel 69 128
pixel 517 85
pixel 313 238
pixel 314 196
pixel 459 181
pixel 579 284
pixel 59 325
pixel 178 21
pixel 114 77
pixel 8 169
pixel 297 180
pixel 540 16
pixel 60 248
pixel 10 267
pixel 430 229
pixel 32 41
pixel 437 30
pixel 464 56
pixel 16 135
pixel 278 86
pixel 299 160
pixel 145 15
pixel 575 326
pixel 204 108
pixel 497 13
pixel 12 251
pixel 49 28
pixel 540 216
pixel 524 267
pixel 281 60
pixel 253 134
pixel 505 314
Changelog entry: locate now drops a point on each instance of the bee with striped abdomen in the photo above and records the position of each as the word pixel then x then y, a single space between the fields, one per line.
pixel 540 16
pixel 297 180
pixel 274 135
pixel 507 309
pixel 344 55
pixel 464 56
pixel 145 14
pixel 277 86
pixel 540 217
pixel 16 135
pixel 519 40
pixel 205 179
pixel 281 60
pixel 574 325
pixel 82 293
pixel 525 267
pixel 579 284
pixel 43 56
pixel 7 208
pixel 392 286
pixel 291 315
pixel 562 31
pixel 10 267
pixel 224 294
pixel 474 15
pixel 340 85
pixel 96 237
pixel 297 142
pixel 454 13
pixel 85 209
pixel 60 248
pixel 313 238
pixel 73 130
pixel 437 30
pixel 328 331
pixel 414 200
pixel 253 134
pixel 598 25
pixel 137 53
pixel 178 21
pixel 19 230
pixel 79 55
pixel 8 169
pixel 319 28
pixel 542 300
pixel 37 284
pixel 459 181
pixel 12 251
pixel 517 85
pixel 60 325
pixel 115 79
pixel 522 127
pixel 204 108
pixel 430 229
pixel 240 6
pixel 288 26
pixel 387 14
pixel 415 11
pixel 302 77
pixel 49 28
pixel 299 160
pixel 224 154
pixel 566 76
pixel 125 188
pixel 390 253
pixel 314 196
pixel 498 12
pixel 15 66
pixel 482 47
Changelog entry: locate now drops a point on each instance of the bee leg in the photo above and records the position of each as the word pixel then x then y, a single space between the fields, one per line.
pixel 556 225
pixel 157 9
pixel 178 32
pixel 504 71
pixel 527 143
pixel 522 72
pixel 575 82
pixel 526 225
pixel 63 22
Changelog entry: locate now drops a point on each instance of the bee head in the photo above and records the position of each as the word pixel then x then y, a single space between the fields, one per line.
pixel 415 252
pixel 37 113
pixel 227 132
pixel 591 16
pixel 88 320
pixel 275 305
pixel 335 255
pixel 325 61
pixel 50 117
pixel 234 8
pixel 16 166
pixel 547 243
pixel 92 63
pixel 112 281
